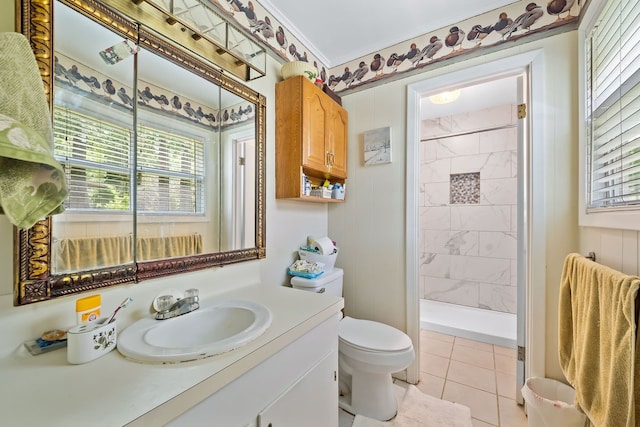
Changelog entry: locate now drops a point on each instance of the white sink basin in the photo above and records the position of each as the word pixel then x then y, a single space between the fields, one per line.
pixel 205 332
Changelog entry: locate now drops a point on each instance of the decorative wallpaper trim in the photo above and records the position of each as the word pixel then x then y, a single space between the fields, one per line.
pixel 77 77
pixel 512 23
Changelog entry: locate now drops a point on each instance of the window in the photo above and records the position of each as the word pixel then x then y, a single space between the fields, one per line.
pixel 170 172
pixel 612 59
pixel 97 158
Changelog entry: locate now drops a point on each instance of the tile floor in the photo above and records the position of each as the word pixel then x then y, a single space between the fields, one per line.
pixel 478 375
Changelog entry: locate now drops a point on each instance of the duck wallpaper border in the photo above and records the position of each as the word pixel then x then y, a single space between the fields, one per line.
pixel 75 76
pixel 508 24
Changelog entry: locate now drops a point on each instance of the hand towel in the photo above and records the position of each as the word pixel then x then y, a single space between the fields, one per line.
pixel 597 341
pixel 32 182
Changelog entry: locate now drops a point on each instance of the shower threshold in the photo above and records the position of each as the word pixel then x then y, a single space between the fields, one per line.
pixel 488 326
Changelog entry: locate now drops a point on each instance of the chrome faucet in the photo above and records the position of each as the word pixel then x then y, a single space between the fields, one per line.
pixel 187 304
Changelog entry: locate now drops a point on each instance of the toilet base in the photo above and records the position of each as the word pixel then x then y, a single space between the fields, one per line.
pixel 371 395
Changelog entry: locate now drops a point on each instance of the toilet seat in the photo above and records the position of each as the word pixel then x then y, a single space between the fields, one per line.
pixel 370 336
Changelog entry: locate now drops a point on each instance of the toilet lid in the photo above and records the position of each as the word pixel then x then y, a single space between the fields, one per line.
pixel 371 335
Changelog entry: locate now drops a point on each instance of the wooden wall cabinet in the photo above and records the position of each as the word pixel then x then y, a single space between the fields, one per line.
pixel 311 139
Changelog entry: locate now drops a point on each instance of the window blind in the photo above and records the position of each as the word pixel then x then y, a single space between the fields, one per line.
pixel 613 107
pixel 97 159
pixel 170 172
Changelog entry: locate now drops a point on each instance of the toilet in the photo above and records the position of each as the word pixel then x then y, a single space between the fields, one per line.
pixel 368 353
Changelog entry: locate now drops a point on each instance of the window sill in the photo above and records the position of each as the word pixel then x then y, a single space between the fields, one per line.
pixel 623 219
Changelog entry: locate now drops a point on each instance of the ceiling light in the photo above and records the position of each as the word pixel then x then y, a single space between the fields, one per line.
pixel 445 97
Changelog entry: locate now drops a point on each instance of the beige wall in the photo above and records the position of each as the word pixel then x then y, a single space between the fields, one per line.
pixel 371 224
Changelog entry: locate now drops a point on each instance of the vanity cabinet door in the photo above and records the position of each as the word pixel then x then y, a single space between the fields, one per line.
pixel 310 402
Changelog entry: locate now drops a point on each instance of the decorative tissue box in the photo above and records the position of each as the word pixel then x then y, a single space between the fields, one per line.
pixel 89 341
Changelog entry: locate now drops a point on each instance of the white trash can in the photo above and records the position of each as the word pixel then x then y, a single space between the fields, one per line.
pixel 550 404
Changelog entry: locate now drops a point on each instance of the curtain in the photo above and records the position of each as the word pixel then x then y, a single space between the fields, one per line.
pixel 85 253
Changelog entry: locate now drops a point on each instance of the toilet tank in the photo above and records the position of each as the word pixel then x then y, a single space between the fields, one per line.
pixel 330 282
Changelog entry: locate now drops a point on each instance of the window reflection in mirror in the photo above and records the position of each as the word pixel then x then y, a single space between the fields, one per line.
pixel 93 121
pixel 154 154
pixel 177 161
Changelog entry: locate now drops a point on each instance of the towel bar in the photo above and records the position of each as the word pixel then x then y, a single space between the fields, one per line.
pixel 591 256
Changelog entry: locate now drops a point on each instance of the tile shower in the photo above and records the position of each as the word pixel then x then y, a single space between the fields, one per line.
pixel 468 229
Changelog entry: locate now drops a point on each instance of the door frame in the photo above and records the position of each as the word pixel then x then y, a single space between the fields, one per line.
pixel 532 63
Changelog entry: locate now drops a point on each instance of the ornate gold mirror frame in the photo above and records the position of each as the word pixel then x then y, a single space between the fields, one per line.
pixel 33 279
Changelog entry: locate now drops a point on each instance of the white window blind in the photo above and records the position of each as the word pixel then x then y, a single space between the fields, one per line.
pixel 613 107
pixel 97 159
pixel 170 172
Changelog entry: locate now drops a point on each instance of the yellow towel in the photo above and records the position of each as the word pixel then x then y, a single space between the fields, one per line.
pixel 32 182
pixel 597 341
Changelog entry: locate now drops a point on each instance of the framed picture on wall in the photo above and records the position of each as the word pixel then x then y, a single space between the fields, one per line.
pixel 377 146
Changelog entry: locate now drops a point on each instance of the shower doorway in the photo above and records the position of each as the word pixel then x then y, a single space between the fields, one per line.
pixel 473 234
pixel 468 204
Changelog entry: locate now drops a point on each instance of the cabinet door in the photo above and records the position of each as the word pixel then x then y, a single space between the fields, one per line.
pixel 338 136
pixel 310 402
pixel 315 116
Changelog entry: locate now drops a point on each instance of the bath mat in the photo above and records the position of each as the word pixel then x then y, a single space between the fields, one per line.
pixel 421 410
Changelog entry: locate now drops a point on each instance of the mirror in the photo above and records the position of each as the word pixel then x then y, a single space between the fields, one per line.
pixel 164 155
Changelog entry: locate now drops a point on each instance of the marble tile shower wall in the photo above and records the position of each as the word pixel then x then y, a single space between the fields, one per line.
pixel 468 250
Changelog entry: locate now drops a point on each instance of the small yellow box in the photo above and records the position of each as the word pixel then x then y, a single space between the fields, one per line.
pixel 88 308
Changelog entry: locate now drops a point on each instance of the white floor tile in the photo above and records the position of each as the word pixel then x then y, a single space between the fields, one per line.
pixel 511 414
pixel 434 365
pixel 484 405
pixel 506 384
pixel 473 356
pixel 431 385
pixel 478 375
pixel 505 364
pixel 473 376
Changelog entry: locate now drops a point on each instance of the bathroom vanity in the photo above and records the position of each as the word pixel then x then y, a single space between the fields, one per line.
pixel 287 374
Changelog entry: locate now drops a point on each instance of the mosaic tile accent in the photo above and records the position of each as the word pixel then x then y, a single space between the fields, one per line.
pixel 465 188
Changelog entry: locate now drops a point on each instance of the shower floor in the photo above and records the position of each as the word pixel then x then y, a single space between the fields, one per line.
pixel 488 326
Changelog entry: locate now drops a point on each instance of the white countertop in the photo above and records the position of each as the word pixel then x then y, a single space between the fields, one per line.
pixel 113 391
